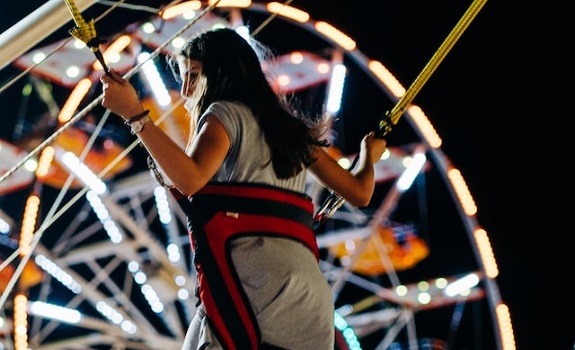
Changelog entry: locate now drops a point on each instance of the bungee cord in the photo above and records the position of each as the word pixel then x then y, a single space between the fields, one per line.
pixel 334 201
pixel 53 51
pixel 86 32
pixel 50 139
pixel 392 118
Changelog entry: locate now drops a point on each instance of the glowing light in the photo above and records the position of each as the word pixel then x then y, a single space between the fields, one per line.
pixel 441 283
pixel 337 36
pixel 111 314
pixel 424 298
pixel 243 31
pixel 152 298
pixel 164 212
pixel 505 326
pixel 344 163
pixel 55 312
pixel 76 96
pixel 183 294
pixel 128 327
pixel 133 266
pixel 231 3
pixel 39 57
pixel 112 53
pixel 4 227
pixel 173 253
pixel 155 81
pixel 181 8
pixel 119 44
pixel 283 80
pixel 386 154
pixel 72 71
pixel 104 216
pixel 462 285
pixel 178 43
pixel 383 74
pixel 140 277
pixel 296 57
pixel 425 126
pixel 45 161
pixel 82 172
pixel 335 92
pixel 20 322
pixel 347 332
pixel 57 273
pixel 288 12
pixel 401 290
pixel 180 280
pixel 29 224
pixel 486 253
pixel 406 179
pixel 323 68
pixel 423 286
pixel 31 165
pixel 148 28
pixel 462 191
pixel 79 44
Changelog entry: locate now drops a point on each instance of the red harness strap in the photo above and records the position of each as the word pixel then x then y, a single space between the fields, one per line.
pixel 221 212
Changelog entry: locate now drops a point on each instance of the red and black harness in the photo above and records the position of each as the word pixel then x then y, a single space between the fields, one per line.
pixel 217 214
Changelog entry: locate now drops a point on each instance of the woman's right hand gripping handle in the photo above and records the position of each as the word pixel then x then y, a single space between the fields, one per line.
pixel 120 97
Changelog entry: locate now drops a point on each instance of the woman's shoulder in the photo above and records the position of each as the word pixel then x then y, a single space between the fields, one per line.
pixel 227 107
pixel 235 116
pixel 230 112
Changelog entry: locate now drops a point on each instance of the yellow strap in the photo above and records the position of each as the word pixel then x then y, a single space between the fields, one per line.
pixel 447 44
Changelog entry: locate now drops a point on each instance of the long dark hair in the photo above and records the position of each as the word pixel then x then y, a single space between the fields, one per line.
pixel 232 71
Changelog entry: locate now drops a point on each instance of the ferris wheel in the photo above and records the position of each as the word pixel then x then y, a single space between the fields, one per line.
pixel 109 263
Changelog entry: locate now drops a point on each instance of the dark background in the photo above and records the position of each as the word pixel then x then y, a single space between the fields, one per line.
pixel 501 101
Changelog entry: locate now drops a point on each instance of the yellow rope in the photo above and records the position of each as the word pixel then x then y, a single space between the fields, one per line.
pixel 439 55
pixel 83 31
pixel 86 32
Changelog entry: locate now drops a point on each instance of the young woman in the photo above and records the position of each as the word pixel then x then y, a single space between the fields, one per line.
pixel 243 172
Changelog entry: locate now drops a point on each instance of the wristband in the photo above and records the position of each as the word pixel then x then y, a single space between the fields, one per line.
pixel 129 121
pixel 138 125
